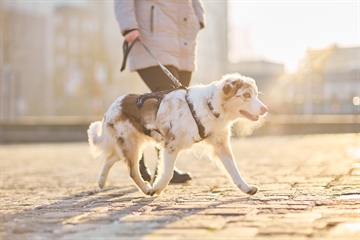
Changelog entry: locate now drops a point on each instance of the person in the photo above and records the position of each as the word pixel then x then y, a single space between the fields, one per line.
pixel 169 29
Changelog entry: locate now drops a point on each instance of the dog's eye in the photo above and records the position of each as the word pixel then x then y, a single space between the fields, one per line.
pixel 247 95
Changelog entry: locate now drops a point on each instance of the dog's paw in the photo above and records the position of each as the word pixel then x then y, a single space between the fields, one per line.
pixel 158 192
pixel 253 190
pixel 151 192
pixel 101 183
pixel 148 189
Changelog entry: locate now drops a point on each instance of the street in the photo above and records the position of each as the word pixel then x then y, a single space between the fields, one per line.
pixel 309 189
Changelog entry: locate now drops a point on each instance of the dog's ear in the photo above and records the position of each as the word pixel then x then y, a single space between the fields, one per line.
pixel 231 86
pixel 228 86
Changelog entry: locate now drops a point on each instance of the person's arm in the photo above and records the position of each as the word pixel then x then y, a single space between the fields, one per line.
pixel 199 11
pixel 126 17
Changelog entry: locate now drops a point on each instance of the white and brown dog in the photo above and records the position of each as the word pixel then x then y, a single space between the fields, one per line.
pixel 175 120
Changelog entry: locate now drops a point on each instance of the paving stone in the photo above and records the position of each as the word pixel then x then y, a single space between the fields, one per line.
pixel 274 186
pixel 235 232
pixel 58 215
pixel 175 233
pixel 226 211
pixel 302 217
pixel 286 229
pixel 69 229
pixel 185 206
pixel 345 230
pixel 150 218
pixel 210 222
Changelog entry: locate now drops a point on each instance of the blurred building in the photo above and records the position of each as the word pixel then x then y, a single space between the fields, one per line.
pixel 264 72
pixel 79 61
pixel 23 39
pixel 212 50
pixel 327 82
pixel 54 60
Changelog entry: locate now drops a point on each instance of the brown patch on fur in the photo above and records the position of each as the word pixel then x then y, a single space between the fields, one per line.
pixel 227 87
pixel 120 141
pixel 168 136
pixel 231 87
pixel 111 130
pixel 129 111
pixel 148 112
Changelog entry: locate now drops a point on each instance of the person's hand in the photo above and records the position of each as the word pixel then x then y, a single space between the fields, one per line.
pixel 130 37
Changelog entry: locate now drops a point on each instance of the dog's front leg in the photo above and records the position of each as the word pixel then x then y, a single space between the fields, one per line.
pixel 226 156
pixel 166 170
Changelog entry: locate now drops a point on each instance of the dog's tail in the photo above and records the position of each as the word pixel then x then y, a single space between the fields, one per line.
pixel 96 138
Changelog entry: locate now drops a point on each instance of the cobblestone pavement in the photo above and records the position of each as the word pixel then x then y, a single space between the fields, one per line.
pixel 309 190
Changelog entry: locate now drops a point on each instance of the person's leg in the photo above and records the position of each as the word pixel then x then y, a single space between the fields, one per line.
pixel 185 78
pixel 157 80
pixel 144 171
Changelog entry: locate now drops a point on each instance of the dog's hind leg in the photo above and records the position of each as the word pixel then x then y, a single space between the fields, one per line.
pixel 166 170
pixel 133 168
pixel 132 153
pixel 110 161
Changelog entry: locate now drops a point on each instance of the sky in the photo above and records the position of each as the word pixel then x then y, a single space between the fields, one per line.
pixel 282 31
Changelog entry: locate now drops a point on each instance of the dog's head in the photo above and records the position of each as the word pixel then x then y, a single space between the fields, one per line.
pixel 240 95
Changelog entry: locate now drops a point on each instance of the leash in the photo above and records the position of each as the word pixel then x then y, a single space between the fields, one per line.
pixel 126 51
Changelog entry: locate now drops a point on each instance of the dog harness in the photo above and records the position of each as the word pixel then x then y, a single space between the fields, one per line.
pixel 159 96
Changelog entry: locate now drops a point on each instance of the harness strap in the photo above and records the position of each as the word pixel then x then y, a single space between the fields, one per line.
pixel 211 107
pixel 201 127
pixel 156 95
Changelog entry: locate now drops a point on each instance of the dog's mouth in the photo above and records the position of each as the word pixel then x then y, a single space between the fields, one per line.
pixel 249 116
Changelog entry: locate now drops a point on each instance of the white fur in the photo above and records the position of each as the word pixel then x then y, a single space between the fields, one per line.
pixel 178 129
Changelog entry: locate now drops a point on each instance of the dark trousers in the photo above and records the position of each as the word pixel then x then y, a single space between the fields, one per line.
pixel 156 79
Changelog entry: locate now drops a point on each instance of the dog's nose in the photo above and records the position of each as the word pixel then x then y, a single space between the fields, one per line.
pixel 263 110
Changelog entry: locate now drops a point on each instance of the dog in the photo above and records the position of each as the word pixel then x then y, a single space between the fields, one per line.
pixel 175 120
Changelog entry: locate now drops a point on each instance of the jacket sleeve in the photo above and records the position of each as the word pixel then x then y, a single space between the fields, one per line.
pixel 125 15
pixel 199 10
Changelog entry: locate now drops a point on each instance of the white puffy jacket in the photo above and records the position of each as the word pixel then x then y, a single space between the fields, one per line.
pixel 168 28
